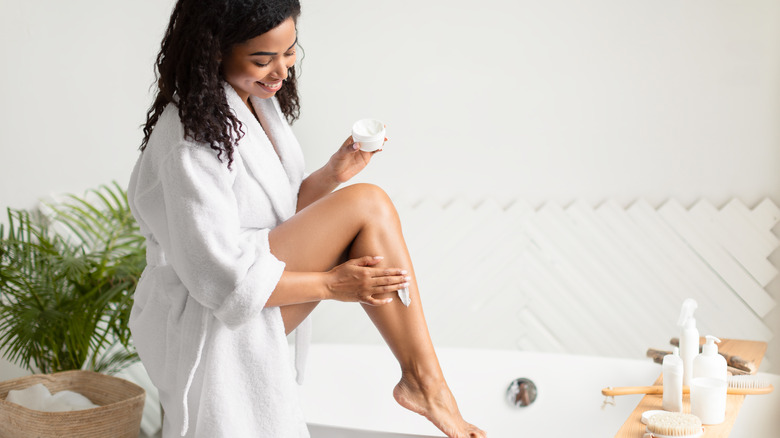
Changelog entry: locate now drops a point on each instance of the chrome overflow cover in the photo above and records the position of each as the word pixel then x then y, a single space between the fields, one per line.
pixel 521 392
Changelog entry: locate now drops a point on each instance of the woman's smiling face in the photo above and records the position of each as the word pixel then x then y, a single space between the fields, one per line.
pixel 258 66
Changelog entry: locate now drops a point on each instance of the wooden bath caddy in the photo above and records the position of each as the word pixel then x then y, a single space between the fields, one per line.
pixel 749 350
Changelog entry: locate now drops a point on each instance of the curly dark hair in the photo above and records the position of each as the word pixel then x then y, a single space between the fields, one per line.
pixel 189 73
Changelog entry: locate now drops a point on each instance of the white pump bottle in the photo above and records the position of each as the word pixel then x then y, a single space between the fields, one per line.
pixel 689 338
pixel 709 363
pixel 709 386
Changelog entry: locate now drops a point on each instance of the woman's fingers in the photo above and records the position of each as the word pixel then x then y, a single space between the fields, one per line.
pixel 391 283
pixel 383 279
pixel 356 146
pixel 383 285
pixel 359 280
pixel 371 301
pixel 367 260
pixel 349 144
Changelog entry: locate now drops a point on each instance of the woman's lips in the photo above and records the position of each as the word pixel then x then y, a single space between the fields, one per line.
pixel 271 87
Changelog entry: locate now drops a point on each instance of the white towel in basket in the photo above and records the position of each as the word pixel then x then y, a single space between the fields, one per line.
pixel 37 397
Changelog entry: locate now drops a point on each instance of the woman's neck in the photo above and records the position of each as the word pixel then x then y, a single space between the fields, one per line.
pixel 251 107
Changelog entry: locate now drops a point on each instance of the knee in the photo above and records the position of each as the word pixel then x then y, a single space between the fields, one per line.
pixel 373 201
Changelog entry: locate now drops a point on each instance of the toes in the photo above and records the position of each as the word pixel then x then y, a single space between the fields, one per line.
pixel 476 432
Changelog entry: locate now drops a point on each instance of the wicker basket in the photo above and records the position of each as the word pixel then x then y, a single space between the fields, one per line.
pixel 119 415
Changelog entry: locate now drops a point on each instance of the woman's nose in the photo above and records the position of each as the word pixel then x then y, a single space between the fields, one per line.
pixel 281 70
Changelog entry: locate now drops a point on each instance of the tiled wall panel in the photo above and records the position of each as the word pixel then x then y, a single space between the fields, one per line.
pixel 603 280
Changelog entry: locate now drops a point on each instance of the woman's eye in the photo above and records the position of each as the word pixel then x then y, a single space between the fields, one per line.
pixel 261 64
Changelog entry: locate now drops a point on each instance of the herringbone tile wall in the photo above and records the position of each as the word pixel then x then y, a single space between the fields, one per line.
pixel 582 279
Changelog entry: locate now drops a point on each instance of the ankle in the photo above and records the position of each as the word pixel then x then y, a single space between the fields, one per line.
pixel 425 378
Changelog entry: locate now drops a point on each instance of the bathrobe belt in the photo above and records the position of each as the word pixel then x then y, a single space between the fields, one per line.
pixel 188 363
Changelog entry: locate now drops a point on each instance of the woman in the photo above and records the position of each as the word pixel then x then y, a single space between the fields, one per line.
pixel 242 247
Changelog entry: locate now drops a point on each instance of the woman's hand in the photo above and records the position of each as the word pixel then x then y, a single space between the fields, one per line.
pixel 349 160
pixel 357 280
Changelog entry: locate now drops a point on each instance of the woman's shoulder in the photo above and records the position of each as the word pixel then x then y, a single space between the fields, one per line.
pixel 168 126
pixel 168 134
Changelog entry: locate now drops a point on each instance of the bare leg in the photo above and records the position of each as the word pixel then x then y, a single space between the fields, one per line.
pixel 361 219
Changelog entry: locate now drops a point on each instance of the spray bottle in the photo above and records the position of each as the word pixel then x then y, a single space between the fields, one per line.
pixel 689 338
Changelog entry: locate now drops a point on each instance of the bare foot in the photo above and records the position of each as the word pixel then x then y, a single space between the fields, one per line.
pixel 433 400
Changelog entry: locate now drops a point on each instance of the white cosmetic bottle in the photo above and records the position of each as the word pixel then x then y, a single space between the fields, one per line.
pixel 673 382
pixel 709 387
pixel 709 363
pixel 689 338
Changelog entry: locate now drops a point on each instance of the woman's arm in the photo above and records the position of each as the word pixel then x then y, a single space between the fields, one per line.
pixel 318 184
pixel 347 162
pixel 352 281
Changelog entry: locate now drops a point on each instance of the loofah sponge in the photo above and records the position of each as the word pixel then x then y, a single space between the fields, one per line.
pixel 674 424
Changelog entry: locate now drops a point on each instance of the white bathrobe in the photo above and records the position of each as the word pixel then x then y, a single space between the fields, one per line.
pixel 218 357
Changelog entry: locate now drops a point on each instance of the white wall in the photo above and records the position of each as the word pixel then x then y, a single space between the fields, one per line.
pixel 557 99
pixel 74 88
pixel 554 100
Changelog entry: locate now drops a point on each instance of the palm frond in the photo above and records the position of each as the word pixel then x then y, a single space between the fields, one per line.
pixel 66 282
pixel 116 361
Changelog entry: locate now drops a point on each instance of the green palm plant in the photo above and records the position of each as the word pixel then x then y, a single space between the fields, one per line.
pixel 67 278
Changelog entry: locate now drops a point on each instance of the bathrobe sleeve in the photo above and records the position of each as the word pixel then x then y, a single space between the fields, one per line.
pixel 226 268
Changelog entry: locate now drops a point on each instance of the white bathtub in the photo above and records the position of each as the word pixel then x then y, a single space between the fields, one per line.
pixel 348 394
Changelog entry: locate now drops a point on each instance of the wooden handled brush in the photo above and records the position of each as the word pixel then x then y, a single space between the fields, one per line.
pixel 737 386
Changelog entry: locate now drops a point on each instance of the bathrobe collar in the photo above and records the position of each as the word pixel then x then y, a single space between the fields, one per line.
pixel 272 154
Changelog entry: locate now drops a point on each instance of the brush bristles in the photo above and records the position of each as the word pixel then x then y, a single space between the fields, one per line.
pixel 674 424
pixel 747 382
